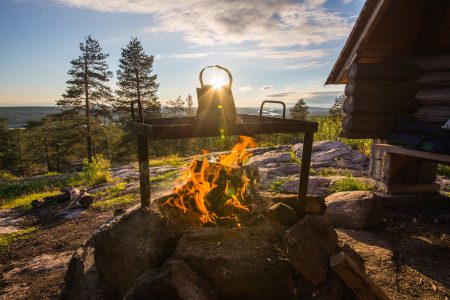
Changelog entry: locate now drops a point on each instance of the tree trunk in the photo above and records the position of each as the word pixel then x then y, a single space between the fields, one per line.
pixel 404 88
pixel 435 78
pixel 434 113
pixel 370 122
pixel 375 104
pixel 47 155
pixel 383 71
pixel 88 119
pixel 434 96
pixel 433 63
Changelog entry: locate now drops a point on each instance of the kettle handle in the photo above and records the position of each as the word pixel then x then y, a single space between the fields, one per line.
pixel 219 67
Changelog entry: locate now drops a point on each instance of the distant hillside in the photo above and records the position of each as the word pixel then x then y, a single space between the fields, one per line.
pixel 18 116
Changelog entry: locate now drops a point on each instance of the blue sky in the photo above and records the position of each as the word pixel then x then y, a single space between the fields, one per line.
pixel 280 50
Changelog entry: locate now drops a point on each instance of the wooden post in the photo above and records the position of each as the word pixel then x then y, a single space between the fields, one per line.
pixel 144 171
pixel 355 279
pixel 304 168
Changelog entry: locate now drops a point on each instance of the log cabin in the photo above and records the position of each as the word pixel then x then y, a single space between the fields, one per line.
pixel 396 65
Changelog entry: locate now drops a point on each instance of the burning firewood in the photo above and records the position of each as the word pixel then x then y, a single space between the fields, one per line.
pixel 219 190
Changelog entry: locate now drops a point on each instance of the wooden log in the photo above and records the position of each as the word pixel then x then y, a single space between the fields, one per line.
pixel 434 96
pixel 383 71
pixel 359 87
pixel 373 104
pixel 370 122
pixel 435 78
pixel 81 197
pixel 347 270
pixel 441 62
pixel 74 195
pixel 434 113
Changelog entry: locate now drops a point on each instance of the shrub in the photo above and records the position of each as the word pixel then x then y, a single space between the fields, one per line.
pixel 96 172
pixel 329 129
pixel 444 170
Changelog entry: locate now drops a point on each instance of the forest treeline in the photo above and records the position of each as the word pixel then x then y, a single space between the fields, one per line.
pixel 93 117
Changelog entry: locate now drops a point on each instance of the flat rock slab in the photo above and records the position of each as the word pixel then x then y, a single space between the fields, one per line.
pixel 356 209
pixel 239 263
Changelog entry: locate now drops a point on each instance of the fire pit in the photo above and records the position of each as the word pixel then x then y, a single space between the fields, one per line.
pixel 215 236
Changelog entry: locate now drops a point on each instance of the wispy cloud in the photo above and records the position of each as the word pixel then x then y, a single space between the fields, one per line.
pixel 190 55
pixel 266 23
pixel 280 95
pixel 245 88
pixel 266 88
pixel 258 53
pixel 305 65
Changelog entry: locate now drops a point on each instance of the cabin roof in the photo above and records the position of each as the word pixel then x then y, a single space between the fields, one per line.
pixel 394 30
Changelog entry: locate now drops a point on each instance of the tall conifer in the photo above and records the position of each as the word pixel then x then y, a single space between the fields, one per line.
pixel 87 92
pixel 136 81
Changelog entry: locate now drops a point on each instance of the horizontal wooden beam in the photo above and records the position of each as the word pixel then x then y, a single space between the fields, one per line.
pixel 412 152
pixel 171 129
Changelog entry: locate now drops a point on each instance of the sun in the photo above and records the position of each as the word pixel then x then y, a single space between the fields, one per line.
pixel 218 82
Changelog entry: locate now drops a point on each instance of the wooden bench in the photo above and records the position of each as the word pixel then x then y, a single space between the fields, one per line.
pixel 399 170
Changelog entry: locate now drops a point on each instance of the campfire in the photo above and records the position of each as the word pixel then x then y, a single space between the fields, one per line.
pixel 216 188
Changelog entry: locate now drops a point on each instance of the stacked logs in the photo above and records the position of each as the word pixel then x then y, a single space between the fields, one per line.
pixel 435 92
pixel 376 94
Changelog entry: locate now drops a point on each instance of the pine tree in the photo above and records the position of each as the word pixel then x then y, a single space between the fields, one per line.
pixel 336 110
pixel 299 111
pixel 189 106
pixel 86 89
pixel 175 107
pixel 136 82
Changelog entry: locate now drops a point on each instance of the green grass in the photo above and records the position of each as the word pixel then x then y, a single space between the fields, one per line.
pixel 349 183
pixel 17 193
pixel 277 183
pixel 295 158
pixel 23 202
pixel 328 172
pixel 444 170
pixel 5 175
pixel 165 176
pixel 114 201
pixel 112 190
pixel 7 238
pixel 171 160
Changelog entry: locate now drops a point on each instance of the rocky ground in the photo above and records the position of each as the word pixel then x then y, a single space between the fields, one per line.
pixel 406 253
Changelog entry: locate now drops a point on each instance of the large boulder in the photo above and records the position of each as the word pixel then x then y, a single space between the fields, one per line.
pixel 334 154
pixel 310 242
pixel 283 214
pixel 239 263
pixel 270 157
pixel 174 281
pixel 355 209
pixel 131 244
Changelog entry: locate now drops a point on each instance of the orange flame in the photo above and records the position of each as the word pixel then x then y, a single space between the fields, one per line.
pixel 210 190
